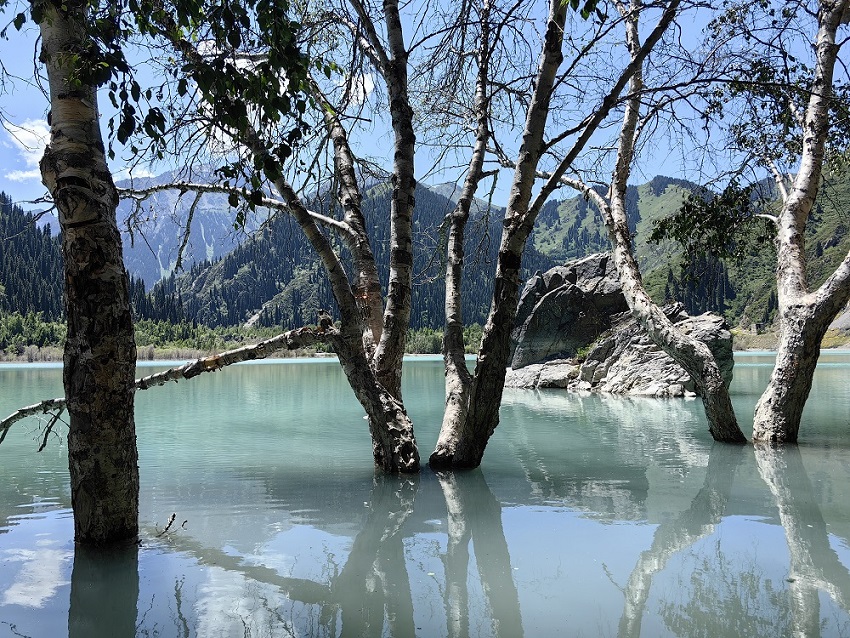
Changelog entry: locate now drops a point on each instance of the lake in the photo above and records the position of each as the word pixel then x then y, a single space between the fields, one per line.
pixel 590 516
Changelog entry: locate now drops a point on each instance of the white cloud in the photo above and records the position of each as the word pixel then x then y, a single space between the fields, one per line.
pixel 41 574
pixel 138 172
pixel 362 87
pixel 23 176
pixel 29 139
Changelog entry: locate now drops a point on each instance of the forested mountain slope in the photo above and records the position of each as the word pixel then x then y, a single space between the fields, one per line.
pixel 272 277
pixel 30 264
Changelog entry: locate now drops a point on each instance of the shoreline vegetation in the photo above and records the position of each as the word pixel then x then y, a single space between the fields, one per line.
pixel 30 339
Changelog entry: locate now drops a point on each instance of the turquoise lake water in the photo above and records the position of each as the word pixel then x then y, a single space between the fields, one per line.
pixel 591 516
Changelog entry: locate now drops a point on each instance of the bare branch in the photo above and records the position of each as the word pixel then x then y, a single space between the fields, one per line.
pixel 608 103
pixel 291 340
pixel 140 194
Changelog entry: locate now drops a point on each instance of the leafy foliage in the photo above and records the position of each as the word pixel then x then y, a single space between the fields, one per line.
pixel 722 225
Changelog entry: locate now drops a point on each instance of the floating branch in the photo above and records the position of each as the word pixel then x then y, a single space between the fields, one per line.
pixel 291 340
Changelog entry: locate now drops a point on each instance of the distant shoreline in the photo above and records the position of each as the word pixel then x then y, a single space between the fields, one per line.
pixel 743 341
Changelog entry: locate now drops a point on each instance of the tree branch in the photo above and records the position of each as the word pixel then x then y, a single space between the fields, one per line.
pixel 141 194
pixel 291 340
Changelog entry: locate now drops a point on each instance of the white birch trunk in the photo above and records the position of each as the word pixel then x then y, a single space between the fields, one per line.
pixel 465 447
pixel 390 352
pixel 690 353
pixel 100 351
pixel 458 377
pixel 803 317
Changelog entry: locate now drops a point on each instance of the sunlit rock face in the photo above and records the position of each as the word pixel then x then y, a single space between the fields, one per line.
pixel 566 308
pixel 574 332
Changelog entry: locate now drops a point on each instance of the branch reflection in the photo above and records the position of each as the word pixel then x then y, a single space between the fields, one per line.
pixel 671 537
pixel 371 594
pixel 815 566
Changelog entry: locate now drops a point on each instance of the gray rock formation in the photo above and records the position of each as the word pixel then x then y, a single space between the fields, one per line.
pixel 620 356
pixel 565 309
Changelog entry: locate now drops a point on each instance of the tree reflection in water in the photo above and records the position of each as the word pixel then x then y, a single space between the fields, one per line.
pixel 474 515
pixel 726 597
pixel 104 592
pixel 815 566
pixel 370 595
pixel 374 577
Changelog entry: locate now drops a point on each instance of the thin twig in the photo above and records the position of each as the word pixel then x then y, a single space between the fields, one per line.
pixel 49 428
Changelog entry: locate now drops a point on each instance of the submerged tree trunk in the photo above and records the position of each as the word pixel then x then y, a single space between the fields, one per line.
pixel 458 377
pixel 803 317
pixel 393 441
pixel 463 441
pixel 100 351
pixel 802 326
pixel 690 353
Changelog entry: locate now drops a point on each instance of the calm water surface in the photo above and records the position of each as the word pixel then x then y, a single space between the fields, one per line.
pixel 591 516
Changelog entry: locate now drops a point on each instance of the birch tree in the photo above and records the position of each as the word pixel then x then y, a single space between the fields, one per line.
pixel 100 352
pixel 789 118
pixel 804 314
pixel 470 422
pixel 370 342
pixel 690 353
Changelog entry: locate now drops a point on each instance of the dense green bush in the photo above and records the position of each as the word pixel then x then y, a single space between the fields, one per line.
pixel 18 331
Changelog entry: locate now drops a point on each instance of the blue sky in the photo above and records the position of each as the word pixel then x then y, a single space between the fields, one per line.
pixel 23 108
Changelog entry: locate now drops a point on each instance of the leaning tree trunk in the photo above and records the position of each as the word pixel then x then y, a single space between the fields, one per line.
pixel 393 441
pixel 690 353
pixel 462 443
pixel 803 317
pixel 100 351
pixel 458 377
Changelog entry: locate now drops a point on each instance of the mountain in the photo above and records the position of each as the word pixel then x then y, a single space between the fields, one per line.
pixel 30 264
pixel 153 230
pixel 273 278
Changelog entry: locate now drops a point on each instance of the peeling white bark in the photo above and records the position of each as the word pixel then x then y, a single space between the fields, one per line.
pixel 100 352
pixel 803 316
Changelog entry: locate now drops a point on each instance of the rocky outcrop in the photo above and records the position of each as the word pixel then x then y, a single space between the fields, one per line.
pixel 566 308
pixel 599 352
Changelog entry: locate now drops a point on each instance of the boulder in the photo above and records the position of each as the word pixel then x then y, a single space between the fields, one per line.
pixel 579 301
pixel 564 309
